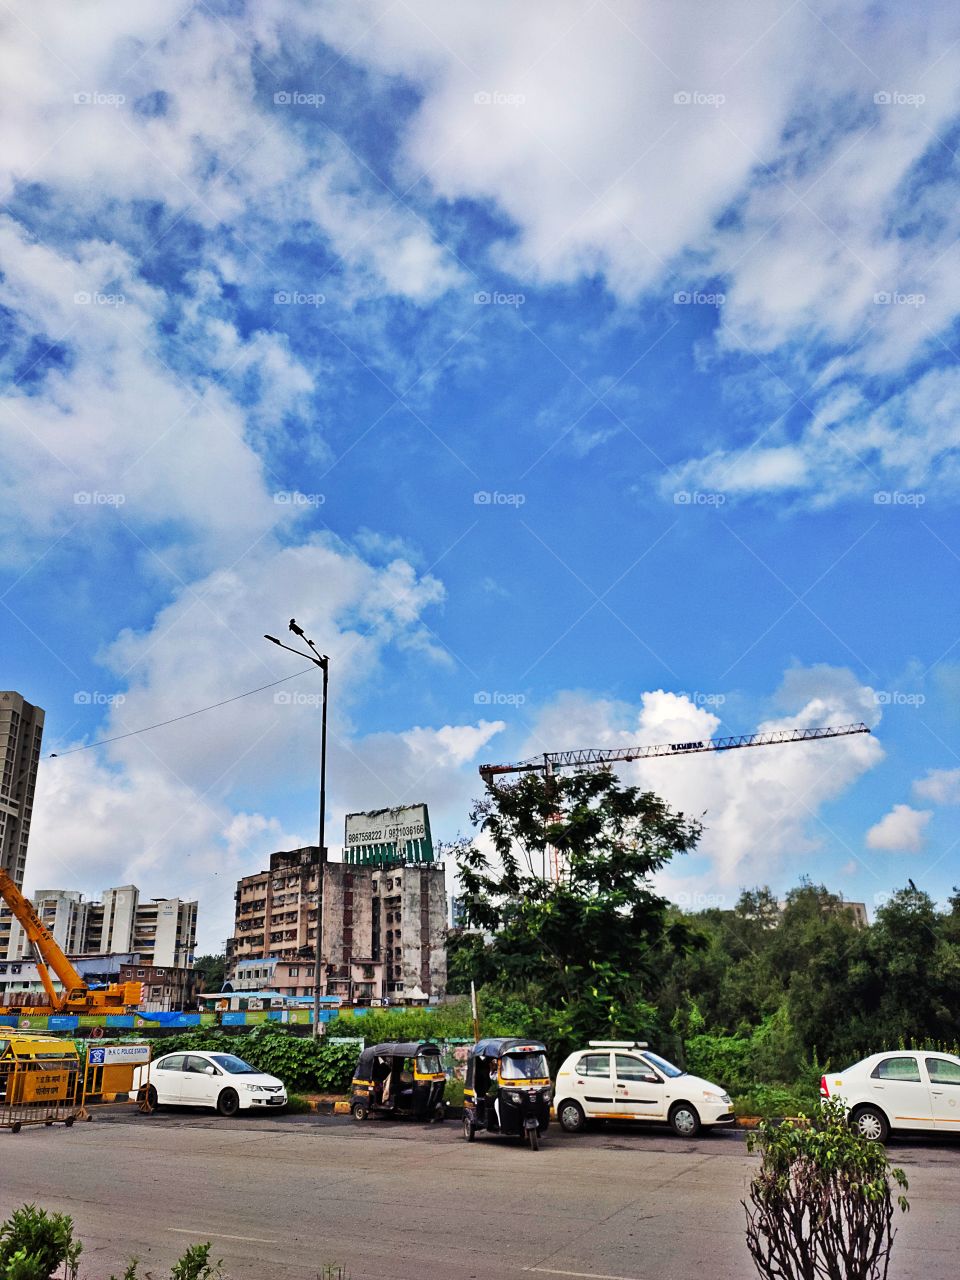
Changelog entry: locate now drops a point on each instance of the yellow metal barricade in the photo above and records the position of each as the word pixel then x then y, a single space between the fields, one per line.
pixel 40 1079
pixel 113 1070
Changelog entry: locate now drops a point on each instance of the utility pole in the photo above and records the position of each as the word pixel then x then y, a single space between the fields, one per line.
pixel 323 662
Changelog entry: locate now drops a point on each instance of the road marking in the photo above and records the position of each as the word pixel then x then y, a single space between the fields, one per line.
pixel 219 1235
pixel 580 1275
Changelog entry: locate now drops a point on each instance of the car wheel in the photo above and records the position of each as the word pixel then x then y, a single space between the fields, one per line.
pixel 228 1104
pixel 571 1116
pixel 684 1120
pixel 153 1102
pixel 359 1111
pixel 871 1124
pixel 469 1130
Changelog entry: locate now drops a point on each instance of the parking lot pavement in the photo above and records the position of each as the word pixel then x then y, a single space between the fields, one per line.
pixel 280 1196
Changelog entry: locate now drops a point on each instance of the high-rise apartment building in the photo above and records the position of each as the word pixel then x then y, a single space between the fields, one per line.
pixel 161 931
pixel 21 731
pixel 383 928
pixel 276 912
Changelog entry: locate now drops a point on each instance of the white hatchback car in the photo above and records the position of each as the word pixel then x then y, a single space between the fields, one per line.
pixel 219 1080
pixel 623 1080
pixel 899 1090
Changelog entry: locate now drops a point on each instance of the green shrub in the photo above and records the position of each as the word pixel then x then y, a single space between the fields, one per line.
pixel 822 1202
pixel 34 1244
pixel 303 1064
pixel 297 1105
pixel 725 1060
pixel 771 1100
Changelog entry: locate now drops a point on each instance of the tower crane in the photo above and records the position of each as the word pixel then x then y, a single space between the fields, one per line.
pixel 604 757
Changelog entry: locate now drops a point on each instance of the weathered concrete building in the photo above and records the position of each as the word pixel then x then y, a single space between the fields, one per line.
pixel 276 911
pixel 383 928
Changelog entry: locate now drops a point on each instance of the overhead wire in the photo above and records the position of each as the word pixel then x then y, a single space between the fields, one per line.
pixel 132 733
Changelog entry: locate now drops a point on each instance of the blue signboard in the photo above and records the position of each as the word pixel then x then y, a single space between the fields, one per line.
pixel 62 1022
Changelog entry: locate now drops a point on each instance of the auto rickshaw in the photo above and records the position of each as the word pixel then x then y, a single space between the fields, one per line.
pixel 401 1078
pixel 507 1090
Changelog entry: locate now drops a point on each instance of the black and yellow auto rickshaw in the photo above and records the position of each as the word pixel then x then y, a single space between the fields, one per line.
pixel 507 1090
pixel 402 1078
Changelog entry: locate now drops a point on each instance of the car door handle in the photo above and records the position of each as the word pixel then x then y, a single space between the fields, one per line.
pixel 936 1092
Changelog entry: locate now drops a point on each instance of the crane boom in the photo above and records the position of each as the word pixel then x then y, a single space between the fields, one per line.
pixel 76 996
pixel 603 756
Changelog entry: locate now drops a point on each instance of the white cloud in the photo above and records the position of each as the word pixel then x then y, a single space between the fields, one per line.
pixel 762 808
pixel 941 786
pixel 902 830
pixel 797 168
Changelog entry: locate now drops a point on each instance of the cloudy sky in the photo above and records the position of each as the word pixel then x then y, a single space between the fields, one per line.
pixel 579 372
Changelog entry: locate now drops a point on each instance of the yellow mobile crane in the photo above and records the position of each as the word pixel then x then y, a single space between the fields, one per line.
pixel 76 996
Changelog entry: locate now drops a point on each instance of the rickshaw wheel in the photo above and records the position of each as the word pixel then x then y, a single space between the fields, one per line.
pixel 440 1114
pixel 469 1129
pixel 533 1137
pixel 359 1111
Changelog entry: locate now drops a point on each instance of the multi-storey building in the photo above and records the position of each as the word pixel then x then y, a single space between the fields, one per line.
pixel 383 928
pixel 161 931
pixel 21 731
pixel 276 911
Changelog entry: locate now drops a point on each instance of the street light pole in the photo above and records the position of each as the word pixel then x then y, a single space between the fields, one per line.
pixel 323 662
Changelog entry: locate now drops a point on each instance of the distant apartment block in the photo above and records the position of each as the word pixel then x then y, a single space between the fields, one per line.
pixel 21 731
pixel 161 931
pixel 383 929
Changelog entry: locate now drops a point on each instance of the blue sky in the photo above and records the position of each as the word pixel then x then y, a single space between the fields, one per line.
pixel 577 375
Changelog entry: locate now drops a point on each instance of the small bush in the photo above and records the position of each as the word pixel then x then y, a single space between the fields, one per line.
pixel 34 1244
pixel 822 1202
pixel 297 1105
pixel 770 1100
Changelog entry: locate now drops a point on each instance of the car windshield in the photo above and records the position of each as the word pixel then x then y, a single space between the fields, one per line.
pixel 524 1066
pixel 428 1064
pixel 663 1065
pixel 236 1066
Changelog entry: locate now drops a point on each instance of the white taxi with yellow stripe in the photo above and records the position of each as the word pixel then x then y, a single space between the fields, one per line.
pixel 623 1080
pixel 899 1090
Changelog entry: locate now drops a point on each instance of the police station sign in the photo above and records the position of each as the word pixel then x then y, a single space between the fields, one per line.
pixel 112 1055
pixel 382 836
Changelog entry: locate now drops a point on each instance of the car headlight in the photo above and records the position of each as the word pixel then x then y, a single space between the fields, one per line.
pixel 258 1088
pixel 714 1095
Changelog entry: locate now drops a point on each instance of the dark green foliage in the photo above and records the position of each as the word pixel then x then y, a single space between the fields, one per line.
pixel 822 1203
pixel 211 969
pixel 589 947
pixel 34 1244
pixel 303 1064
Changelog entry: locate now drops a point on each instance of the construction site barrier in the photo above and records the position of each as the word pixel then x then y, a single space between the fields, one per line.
pixel 40 1090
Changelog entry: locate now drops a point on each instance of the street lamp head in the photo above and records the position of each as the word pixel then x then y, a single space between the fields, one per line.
pixel 272 638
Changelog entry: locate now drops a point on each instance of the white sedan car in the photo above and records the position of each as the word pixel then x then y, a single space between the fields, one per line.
pixel 219 1080
pixel 623 1080
pixel 899 1090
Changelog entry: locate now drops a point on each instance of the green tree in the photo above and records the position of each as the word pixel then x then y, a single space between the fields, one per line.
pixel 592 942
pixel 211 969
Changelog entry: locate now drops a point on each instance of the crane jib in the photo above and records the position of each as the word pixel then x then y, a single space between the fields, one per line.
pixel 604 756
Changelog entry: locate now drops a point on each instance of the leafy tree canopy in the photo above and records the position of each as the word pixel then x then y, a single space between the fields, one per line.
pixel 591 943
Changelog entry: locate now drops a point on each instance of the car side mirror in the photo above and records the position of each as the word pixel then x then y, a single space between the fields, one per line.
pixel 209 1071
pixel 651 1079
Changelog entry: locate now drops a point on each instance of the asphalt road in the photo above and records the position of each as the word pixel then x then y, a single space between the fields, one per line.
pixel 281 1196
